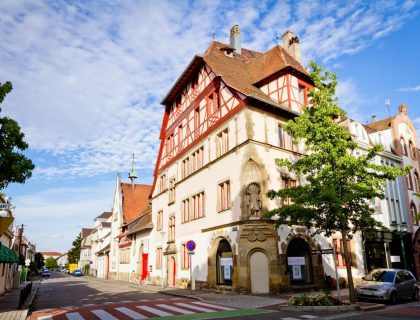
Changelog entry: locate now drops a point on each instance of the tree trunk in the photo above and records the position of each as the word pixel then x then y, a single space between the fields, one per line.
pixel 348 268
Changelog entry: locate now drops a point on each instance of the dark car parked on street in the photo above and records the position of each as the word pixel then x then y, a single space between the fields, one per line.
pixel 77 273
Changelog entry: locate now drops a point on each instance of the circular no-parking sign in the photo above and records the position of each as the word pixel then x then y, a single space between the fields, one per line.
pixel 190 245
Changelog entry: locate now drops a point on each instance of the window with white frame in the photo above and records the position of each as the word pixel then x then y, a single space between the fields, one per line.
pixel 198 205
pixel 159 258
pixel 222 143
pixel 185 217
pixel 125 255
pixel 159 222
pixel 162 182
pixel 197 159
pixel 185 169
pixel 171 235
pixel 286 141
pixel 223 193
pixel 185 262
pixel 172 190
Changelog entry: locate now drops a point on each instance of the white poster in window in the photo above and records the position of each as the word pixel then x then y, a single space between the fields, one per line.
pixel 296 261
pixel 226 272
pixel 395 259
pixel 297 274
pixel 226 261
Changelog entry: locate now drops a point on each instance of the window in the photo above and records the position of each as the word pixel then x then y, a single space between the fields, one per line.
pixel 222 143
pixel 162 183
pixel 185 211
pixel 159 258
pixel 198 205
pixel 416 182
pixel 403 147
pixel 159 220
pixel 171 235
pixel 185 262
pixel 185 167
pixel 303 95
pixel 413 212
pixel 172 191
pixel 339 252
pixel 286 184
pixel 409 181
pixel 286 141
pixel 197 159
pixel 223 193
pixel 412 150
pixel 125 255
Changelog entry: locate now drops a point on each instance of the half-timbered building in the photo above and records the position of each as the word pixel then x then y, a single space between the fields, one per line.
pixel 222 130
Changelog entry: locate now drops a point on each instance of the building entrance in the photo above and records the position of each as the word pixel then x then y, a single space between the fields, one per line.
pixel 299 262
pixel 224 263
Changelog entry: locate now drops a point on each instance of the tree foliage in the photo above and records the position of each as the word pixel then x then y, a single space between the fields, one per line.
pixel 339 183
pixel 39 260
pixel 14 166
pixel 51 263
pixel 73 254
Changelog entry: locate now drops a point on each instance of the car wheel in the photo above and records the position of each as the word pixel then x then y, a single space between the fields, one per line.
pixel 416 294
pixel 393 298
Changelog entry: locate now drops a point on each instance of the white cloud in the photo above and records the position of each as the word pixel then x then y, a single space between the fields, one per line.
pixel 88 76
pixel 416 88
pixel 60 213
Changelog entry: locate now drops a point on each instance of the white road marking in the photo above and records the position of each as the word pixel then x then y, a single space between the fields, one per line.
pixel 155 311
pixel 195 307
pixel 108 302
pixel 289 318
pixel 213 306
pixel 130 313
pixel 103 315
pixel 172 308
pixel 45 318
pixel 308 316
pixel 88 305
pixel 74 316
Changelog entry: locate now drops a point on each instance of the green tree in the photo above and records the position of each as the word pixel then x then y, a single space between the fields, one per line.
pixel 73 254
pixel 51 263
pixel 14 166
pixel 39 260
pixel 339 183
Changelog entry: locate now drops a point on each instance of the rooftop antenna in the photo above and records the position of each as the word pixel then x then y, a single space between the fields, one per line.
pixel 213 34
pixel 132 174
pixel 388 103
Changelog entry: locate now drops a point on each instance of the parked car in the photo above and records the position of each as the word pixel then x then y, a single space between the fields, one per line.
pixel 77 273
pixel 388 285
pixel 67 271
pixel 45 273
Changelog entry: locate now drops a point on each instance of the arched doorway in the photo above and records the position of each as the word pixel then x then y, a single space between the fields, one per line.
pixel 224 263
pixel 258 264
pixel 299 262
pixel 172 272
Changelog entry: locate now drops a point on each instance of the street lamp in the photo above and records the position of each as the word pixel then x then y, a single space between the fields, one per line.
pixel 162 233
pixel 401 230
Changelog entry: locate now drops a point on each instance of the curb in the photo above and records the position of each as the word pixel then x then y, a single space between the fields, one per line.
pixel 346 308
pixel 181 295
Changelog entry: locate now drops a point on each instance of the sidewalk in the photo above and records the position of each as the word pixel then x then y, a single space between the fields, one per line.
pixel 9 303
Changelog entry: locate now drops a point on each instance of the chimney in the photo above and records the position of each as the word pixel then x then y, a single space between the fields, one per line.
pixel 235 39
pixel 373 119
pixel 291 45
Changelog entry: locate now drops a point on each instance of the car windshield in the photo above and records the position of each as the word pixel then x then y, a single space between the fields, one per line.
pixel 381 276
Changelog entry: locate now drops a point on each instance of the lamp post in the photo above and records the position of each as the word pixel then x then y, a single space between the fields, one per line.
pixel 162 233
pixel 401 230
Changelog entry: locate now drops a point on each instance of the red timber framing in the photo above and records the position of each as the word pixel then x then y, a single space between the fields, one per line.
pixel 199 120
pixel 287 89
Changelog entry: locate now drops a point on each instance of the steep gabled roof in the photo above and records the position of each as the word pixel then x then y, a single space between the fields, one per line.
pixel 144 222
pixel 86 232
pixel 381 124
pixel 104 215
pixel 135 199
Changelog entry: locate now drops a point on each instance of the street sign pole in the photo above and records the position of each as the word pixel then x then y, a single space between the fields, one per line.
pixel 336 273
pixel 191 274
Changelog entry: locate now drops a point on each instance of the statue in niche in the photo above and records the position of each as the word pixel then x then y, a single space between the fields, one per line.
pixel 253 198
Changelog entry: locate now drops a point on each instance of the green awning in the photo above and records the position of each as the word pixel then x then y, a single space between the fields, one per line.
pixel 7 255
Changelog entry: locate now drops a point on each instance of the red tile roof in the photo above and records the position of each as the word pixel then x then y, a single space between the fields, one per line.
pixel 86 232
pixel 134 200
pixel 381 124
pixel 51 254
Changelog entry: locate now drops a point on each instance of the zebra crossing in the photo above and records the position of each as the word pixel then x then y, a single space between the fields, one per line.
pixel 131 310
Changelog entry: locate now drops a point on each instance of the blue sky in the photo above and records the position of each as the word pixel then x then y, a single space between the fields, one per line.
pixel 88 77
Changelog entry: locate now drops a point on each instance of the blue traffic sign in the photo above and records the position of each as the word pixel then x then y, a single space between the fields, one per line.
pixel 190 245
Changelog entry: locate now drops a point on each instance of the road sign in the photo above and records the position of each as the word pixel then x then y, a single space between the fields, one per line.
pixel 191 253
pixel 322 251
pixel 27 262
pixel 190 245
